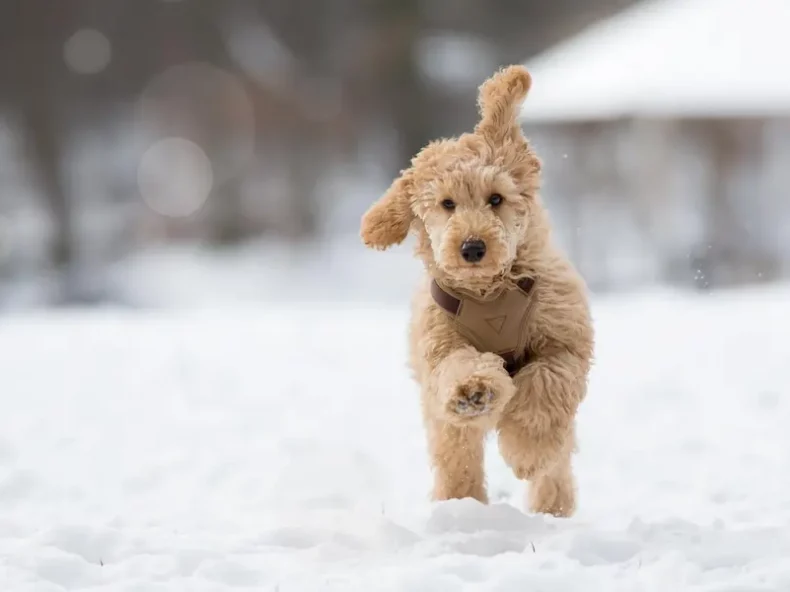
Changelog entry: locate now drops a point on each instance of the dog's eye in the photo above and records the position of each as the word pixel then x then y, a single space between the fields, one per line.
pixel 448 204
pixel 495 199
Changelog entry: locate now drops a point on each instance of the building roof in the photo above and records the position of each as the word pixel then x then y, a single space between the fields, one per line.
pixel 669 58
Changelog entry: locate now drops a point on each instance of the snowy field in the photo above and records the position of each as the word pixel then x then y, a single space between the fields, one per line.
pixel 280 449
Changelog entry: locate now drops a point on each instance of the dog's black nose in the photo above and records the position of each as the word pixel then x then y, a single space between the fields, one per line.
pixel 473 250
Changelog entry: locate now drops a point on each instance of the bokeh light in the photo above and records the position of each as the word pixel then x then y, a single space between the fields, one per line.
pixel 175 177
pixel 87 51
pixel 206 105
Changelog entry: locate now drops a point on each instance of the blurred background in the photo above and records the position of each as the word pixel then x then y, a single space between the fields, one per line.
pixel 198 152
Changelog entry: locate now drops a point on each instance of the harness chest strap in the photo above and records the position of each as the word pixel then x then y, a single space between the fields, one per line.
pixel 498 326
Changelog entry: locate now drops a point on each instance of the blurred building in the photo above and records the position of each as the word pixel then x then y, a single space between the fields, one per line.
pixel 665 132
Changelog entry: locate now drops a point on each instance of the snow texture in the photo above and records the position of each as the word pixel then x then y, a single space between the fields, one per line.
pixel 669 58
pixel 281 450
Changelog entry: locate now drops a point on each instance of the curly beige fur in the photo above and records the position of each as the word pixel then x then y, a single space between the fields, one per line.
pixel 533 412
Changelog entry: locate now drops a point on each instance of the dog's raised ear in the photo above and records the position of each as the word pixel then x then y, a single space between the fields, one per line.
pixel 387 221
pixel 499 100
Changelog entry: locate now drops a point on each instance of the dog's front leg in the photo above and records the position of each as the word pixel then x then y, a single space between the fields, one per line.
pixel 464 398
pixel 470 389
pixel 536 432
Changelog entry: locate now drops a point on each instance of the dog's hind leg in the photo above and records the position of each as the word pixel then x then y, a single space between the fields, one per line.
pixel 457 456
pixel 545 461
pixel 555 492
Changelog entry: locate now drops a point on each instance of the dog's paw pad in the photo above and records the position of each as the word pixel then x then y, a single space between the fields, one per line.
pixel 471 402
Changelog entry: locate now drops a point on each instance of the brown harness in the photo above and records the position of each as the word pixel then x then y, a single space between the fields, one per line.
pixel 498 325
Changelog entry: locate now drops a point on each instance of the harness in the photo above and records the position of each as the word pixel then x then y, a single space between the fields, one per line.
pixel 498 325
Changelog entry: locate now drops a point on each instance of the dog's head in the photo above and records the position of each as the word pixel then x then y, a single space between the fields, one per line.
pixel 470 199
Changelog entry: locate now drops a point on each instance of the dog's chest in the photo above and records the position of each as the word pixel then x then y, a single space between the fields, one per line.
pixel 498 326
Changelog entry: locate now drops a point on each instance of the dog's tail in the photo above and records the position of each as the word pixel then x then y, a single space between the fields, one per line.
pixel 499 101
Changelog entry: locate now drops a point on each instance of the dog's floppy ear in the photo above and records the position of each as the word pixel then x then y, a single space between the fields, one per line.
pixel 387 221
pixel 499 101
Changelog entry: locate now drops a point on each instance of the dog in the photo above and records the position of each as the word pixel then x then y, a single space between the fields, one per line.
pixel 501 337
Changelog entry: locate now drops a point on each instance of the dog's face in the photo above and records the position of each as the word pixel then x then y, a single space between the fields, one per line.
pixel 471 212
pixel 471 198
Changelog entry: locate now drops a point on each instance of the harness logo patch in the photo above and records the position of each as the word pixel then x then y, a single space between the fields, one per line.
pixel 496 323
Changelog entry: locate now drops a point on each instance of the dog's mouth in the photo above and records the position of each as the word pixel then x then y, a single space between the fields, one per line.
pixel 476 279
pixel 473 270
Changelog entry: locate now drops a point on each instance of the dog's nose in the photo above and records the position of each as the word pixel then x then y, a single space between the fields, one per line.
pixel 473 250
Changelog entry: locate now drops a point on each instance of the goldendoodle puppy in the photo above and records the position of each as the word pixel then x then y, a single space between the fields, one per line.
pixel 501 337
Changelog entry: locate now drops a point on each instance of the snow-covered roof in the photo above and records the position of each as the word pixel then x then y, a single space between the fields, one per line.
pixel 680 58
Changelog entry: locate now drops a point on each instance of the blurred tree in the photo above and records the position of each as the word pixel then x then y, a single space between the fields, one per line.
pixel 31 45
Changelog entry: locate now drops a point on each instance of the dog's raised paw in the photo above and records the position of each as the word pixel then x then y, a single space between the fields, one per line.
pixel 480 396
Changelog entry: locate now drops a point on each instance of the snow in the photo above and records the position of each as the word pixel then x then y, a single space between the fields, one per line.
pixel 665 58
pixel 313 272
pixel 279 448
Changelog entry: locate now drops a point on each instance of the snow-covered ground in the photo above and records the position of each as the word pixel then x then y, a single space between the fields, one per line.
pixel 280 449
